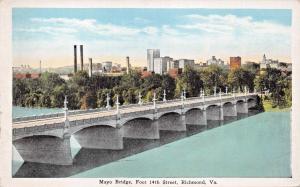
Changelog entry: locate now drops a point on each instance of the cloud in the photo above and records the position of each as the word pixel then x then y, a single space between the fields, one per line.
pixel 49 30
pixel 231 24
pixel 199 37
pixel 92 26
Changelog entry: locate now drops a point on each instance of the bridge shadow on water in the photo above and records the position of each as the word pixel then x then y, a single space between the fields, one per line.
pixel 90 158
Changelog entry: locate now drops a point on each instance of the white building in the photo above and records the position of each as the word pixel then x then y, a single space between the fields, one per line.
pixel 215 61
pixel 107 66
pixel 185 62
pixel 162 64
pixel 151 54
pixel 265 63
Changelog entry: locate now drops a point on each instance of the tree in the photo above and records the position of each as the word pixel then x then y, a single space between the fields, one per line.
pixel 239 78
pixel 191 81
pixel 213 76
pixel 168 84
pixel 89 100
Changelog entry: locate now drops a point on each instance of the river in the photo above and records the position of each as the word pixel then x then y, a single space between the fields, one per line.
pixel 256 146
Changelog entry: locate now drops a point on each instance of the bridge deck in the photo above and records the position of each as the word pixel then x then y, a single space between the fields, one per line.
pixel 125 110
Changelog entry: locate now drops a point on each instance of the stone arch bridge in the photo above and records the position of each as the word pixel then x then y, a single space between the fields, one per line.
pixel 46 138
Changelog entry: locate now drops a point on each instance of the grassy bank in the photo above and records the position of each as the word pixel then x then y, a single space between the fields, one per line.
pixel 268 107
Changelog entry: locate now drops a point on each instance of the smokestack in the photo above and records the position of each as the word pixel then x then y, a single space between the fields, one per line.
pixel 81 56
pixel 128 65
pixel 75 58
pixel 91 67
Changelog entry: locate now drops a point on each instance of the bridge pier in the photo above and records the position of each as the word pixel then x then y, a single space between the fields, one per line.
pixel 214 113
pixel 242 107
pixel 221 113
pixel 172 122
pixel 100 137
pixel 196 117
pixel 230 109
pixel 45 149
pixel 141 129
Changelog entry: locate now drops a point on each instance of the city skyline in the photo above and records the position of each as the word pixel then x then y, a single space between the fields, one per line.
pixel 113 34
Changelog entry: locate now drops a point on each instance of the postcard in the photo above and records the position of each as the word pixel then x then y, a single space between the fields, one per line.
pixel 162 93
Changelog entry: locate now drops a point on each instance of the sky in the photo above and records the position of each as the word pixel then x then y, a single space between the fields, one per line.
pixel 112 34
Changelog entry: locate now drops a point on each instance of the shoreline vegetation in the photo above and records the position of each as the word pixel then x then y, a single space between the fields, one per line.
pixel 84 92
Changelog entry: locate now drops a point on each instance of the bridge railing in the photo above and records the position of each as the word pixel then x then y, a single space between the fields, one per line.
pixel 35 117
pixel 75 112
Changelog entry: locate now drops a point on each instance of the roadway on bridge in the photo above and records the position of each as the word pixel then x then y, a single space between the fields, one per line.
pixel 112 112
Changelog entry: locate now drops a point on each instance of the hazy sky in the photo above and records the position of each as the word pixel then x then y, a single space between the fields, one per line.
pixel 113 34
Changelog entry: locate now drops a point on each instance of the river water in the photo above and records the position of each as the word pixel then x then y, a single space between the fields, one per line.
pixel 255 146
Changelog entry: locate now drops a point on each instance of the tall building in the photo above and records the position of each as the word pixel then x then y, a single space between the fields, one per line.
pixel 162 64
pixel 151 54
pixel 235 62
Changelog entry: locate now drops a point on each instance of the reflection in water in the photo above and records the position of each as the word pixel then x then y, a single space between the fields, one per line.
pixel 90 158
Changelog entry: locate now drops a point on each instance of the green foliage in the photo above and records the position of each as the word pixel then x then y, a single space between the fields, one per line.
pixel 240 77
pixel 90 92
pixel 213 76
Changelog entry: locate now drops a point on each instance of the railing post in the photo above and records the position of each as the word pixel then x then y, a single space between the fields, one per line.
pixel 154 101
pixel 67 123
pixel 118 104
pixel 107 102
pixel 215 91
pixel 165 99
pixel 140 99
pixel 182 99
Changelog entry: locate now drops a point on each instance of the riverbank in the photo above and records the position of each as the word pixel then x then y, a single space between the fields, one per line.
pixel 268 107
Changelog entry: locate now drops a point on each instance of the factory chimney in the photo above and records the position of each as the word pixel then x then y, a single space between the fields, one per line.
pixel 81 56
pixel 75 58
pixel 91 67
pixel 128 65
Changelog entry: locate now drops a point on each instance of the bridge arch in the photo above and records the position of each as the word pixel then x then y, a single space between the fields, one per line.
pixel 213 112
pixel 33 149
pixel 251 102
pixel 162 114
pixel 172 121
pixel 195 116
pixel 74 129
pixel 141 128
pixel 228 103
pixel 122 122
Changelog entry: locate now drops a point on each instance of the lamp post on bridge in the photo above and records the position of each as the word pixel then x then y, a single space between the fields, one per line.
pixel 245 90
pixel 165 99
pixel 184 94
pixel 107 102
pixel 215 91
pixel 66 108
pixel 202 92
pixel 67 124
pixel 140 99
pixel 154 101
pixel 233 91
pixel 182 99
pixel 220 95
pixel 226 90
pixel 118 104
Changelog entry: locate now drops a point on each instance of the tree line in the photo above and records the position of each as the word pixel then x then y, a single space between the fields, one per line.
pixel 86 92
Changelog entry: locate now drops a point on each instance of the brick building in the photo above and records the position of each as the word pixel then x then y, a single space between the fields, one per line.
pixel 235 62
